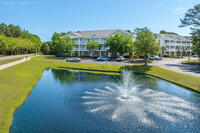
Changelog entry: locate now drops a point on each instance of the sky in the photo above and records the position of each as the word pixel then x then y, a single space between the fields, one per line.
pixel 44 17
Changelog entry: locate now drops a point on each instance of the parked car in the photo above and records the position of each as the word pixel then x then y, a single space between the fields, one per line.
pixel 74 59
pixel 195 55
pixel 102 58
pixel 153 57
pixel 95 56
pixel 120 58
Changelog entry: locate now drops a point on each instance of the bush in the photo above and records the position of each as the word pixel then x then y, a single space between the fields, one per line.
pixel 181 56
pixel 173 56
pixel 135 57
pixel 167 55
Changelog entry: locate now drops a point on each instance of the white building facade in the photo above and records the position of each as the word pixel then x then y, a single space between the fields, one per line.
pixel 170 42
pixel 81 38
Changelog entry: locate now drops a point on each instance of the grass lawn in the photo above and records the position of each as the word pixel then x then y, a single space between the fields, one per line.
pixel 17 82
pixel 191 62
pixel 1 55
pixel 142 61
pixel 10 60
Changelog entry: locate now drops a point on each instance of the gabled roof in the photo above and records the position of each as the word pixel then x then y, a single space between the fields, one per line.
pixel 174 37
pixel 100 33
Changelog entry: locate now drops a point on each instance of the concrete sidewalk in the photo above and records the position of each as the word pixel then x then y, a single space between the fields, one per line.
pixel 14 63
pixel 14 56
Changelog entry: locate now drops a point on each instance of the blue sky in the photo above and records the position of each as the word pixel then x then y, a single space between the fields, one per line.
pixel 44 17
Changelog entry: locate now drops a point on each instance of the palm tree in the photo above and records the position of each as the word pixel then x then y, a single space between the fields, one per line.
pixel 178 48
pixel 163 48
pixel 184 48
pixel 99 46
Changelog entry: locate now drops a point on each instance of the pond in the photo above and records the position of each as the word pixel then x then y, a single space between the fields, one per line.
pixel 72 101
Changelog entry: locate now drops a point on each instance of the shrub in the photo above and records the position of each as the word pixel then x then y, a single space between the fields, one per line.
pixel 136 57
pixel 181 56
pixel 167 55
pixel 173 56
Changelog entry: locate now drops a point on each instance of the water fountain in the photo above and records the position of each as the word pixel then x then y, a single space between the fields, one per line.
pixel 127 97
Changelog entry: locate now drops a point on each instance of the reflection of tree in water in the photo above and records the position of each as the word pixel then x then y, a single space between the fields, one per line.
pixel 92 77
pixel 68 76
pixel 63 76
pixel 145 81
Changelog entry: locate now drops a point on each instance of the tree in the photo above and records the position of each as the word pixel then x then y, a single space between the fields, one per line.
pixel 192 19
pixel 62 44
pixel 178 48
pixel 163 48
pixel 45 49
pixel 165 32
pixel 10 30
pixel 50 46
pixel 119 43
pixel 3 44
pixel 196 42
pixel 18 41
pixel 184 48
pixel 146 44
pixel 136 30
pixel 129 31
pixel 91 45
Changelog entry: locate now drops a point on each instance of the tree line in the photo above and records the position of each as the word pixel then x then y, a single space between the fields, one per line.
pixel 14 40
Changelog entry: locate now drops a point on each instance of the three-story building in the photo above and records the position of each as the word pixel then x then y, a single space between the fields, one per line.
pixel 175 44
pixel 81 38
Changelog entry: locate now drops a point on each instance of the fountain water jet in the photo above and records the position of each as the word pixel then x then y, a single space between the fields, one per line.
pixel 126 86
pixel 128 98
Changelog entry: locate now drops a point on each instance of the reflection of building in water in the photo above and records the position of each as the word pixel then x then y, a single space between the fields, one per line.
pixel 69 76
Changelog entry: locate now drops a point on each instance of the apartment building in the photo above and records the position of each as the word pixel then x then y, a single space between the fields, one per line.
pixel 175 44
pixel 81 38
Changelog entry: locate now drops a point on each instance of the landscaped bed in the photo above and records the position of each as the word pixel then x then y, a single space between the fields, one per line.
pixel 17 82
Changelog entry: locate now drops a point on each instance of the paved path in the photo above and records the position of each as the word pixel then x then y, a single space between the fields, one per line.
pixel 13 56
pixel 175 65
pixel 166 63
pixel 91 61
pixel 14 63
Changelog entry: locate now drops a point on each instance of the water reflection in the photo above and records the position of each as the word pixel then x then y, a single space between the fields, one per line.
pixel 70 76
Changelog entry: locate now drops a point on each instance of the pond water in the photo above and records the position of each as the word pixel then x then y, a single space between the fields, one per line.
pixel 72 101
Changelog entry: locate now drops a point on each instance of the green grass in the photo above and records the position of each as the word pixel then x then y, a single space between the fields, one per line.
pixel 191 62
pixel 142 61
pixel 17 82
pixel 1 55
pixel 10 60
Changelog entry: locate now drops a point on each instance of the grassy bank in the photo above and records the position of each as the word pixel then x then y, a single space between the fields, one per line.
pixel 191 62
pixel 17 82
pixel 10 60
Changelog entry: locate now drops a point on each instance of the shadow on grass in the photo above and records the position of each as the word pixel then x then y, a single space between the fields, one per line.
pixel 137 68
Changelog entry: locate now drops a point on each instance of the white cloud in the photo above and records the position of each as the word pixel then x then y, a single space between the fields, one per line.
pixel 20 3
pixel 179 10
pixel 29 3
